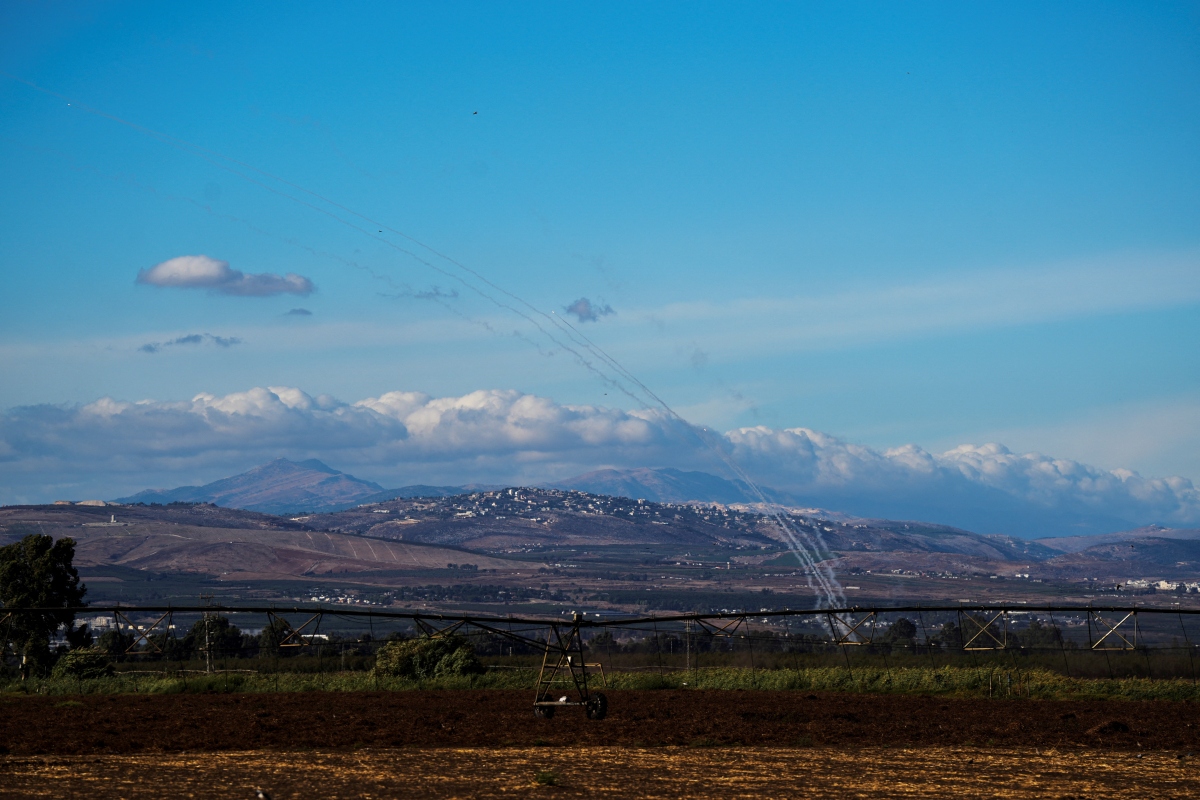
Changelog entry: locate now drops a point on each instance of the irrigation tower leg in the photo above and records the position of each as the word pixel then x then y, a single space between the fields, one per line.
pixel 564 668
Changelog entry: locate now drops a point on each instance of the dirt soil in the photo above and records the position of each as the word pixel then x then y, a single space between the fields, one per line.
pixel 130 724
pixel 610 772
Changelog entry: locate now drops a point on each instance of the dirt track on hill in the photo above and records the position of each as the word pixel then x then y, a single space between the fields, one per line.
pixel 125 724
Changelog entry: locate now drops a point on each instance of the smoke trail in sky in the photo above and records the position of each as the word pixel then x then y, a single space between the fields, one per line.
pixel 808 547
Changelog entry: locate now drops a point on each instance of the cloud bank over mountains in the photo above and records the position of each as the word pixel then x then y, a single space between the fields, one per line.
pixel 110 448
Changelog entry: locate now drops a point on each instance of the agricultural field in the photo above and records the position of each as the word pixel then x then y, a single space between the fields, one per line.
pixel 610 772
pixel 666 743
pixel 130 724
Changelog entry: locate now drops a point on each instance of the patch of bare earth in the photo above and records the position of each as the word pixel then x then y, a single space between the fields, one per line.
pixel 610 772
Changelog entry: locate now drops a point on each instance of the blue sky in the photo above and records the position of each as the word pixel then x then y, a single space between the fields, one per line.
pixel 921 224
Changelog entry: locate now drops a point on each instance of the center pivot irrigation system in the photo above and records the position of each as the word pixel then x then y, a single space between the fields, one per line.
pixel 566 679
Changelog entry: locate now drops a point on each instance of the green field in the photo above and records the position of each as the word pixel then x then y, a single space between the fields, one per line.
pixel 985 681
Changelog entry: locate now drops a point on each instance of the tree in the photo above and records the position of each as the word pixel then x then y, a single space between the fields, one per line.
pixel 37 572
pixel 950 636
pixel 274 634
pixel 1038 636
pixel 83 663
pixel 427 658
pixel 902 633
pixel 215 637
pixel 115 643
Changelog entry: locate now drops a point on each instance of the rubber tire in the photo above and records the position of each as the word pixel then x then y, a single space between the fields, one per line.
pixel 543 712
pixel 597 706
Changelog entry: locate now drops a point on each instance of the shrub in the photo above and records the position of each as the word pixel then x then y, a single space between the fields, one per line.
pixel 422 659
pixel 83 664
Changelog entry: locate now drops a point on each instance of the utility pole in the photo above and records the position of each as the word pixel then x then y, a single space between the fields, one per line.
pixel 207 598
pixel 687 638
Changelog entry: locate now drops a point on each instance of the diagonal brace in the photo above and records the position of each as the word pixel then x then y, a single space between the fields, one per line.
pixel 1112 631
pixel 852 629
pixel 143 634
pixel 295 636
pixel 984 629
pixel 728 629
pixel 436 633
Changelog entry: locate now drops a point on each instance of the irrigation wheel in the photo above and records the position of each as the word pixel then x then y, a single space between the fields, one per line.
pixel 597 706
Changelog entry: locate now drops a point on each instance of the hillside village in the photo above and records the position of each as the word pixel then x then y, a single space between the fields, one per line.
pixel 495 539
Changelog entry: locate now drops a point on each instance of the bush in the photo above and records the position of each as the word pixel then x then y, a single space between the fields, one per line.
pixel 83 664
pixel 422 659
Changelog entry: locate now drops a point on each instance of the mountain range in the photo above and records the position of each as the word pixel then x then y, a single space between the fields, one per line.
pixel 616 520
pixel 288 487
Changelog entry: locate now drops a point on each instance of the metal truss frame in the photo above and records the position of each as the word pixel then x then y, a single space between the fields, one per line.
pixel 1112 629
pixel 983 630
pixel 851 632
pixel 295 636
pixel 144 632
pixel 434 632
pixel 728 629
pixel 563 662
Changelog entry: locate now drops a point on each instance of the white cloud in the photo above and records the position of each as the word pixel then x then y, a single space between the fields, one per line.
pixel 202 272
pixel 1159 434
pixel 985 487
pixel 114 447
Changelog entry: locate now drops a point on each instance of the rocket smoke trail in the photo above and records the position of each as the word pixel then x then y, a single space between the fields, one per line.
pixel 805 542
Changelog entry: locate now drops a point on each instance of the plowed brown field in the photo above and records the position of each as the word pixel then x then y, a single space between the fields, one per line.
pixel 608 772
pixel 653 744
pixel 158 723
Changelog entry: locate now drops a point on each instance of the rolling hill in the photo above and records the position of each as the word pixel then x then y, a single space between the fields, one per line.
pixel 289 487
pixel 279 487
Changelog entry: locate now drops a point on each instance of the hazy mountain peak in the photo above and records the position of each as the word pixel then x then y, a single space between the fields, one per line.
pixel 277 487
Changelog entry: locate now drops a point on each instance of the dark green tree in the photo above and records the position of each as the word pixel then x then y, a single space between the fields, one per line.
pixel 170 648
pixel 950 636
pixel 115 642
pixel 1041 637
pixel 602 641
pixel 83 663
pixel 216 635
pixel 426 658
pixel 275 633
pixel 37 572
pixel 902 633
